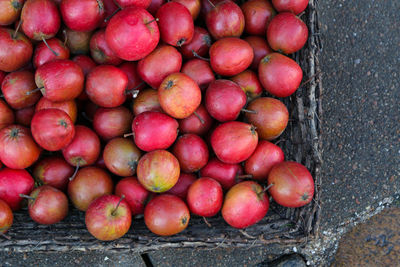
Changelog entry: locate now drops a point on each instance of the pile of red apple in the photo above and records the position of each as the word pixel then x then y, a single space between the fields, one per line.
pixel 125 107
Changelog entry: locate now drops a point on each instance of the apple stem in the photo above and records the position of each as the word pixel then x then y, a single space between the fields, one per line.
pixel 198 116
pixel 128 134
pixel 112 15
pixel 199 57
pixel 51 49
pixel 135 91
pixel 244 176
pixel 26 196
pixel 5 236
pixel 75 172
pixel 156 19
pixel 34 90
pixel 249 111
pixel 17 29
pixel 211 3
pixel 119 202
pixel 65 37
pixel 208 224
pixel 301 14
pixel 268 187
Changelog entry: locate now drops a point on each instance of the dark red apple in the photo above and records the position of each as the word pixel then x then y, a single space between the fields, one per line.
pixel 24 116
pixel 68 107
pixel 154 6
pixel 12 183
pixel 89 184
pixel 291 184
pixel 16 50
pixel 224 100
pixel 77 42
pixel 234 141
pixel 43 54
pixel 287 33
pixel 294 6
pixel 176 24
pixel 224 173
pixel 106 85
pixel 191 152
pixel 179 95
pixel 100 51
pixel 108 218
pixel 279 75
pixel 47 205
pixel 257 14
pixel 9 13
pixel 135 194
pixel 205 197
pixel 270 119
pixel 199 122
pixel 2 76
pixel 263 159
pixel 60 80
pixel 132 33
pixel 85 62
pixel 200 71
pixel 6 115
pixel 192 5
pixel 245 204
pixel 260 50
pixel 6 216
pixel 166 215
pixel 121 156
pixel 82 15
pixel 134 80
pixel 230 56
pixel 53 171
pixel 248 81
pixel 110 9
pixel 158 171
pixel 199 45
pixel 84 149
pixel 112 122
pixel 226 19
pixel 136 3
pixel 181 187
pixel 156 66
pixel 40 19
pixel 18 150
pixel 154 130
pixel 17 87
pixel 146 100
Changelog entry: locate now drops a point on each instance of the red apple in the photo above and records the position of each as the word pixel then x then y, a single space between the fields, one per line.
pixel 224 173
pixel 248 81
pixel 6 115
pixel 135 194
pixel 146 100
pixel 110 9
pixel 192 5
pixel 86 63
pixel 191 152
pixel 108 218
pixel 199 45
pixel 154 6
pixel 2 74
pixel 12 183
pixel 294 6
pixel 77 42
pixel 43 54
pixel 257 14
pixel 112 122
pixel 82 15
pixel 205 197
pixel 53 171
pixel 100 51
pixel 24 116
pixel 68 107
pixel 134 80
pixel 245 204
pixel 166 215
pixel 137 3
pixel 6 217
pixel 260 50
pixel 200 71
pixel 199 122
pixel 181 187
pixel 270 119
pixel 9 13
pixel 158 171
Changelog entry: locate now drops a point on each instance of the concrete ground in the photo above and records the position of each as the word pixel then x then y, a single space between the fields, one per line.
pixel 361 137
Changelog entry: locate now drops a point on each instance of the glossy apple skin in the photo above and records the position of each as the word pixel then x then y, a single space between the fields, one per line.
pixel 293 185
pixel 12 183
pixel 24 116
pixel 135 194
pixel 181 188
pixel 89 184
pixel 287 33
pixel 134 80
pixel 194 125
pixel 100 51
pixel 84 149
pixel 234 141
pixel 6 115
pixel 175 23
pixel 230 56
pixel 158 171
pixel 6 217
pixel 263 159
pixel 15 87
pixel 15 53
pixel 62 80
pixel 294 6
pixel 50 205
pixel 192 5
pixel 200 71
pixel 128 35
pixel 226 19
pixel 52 129
pixel 68 107
pixel 121 156
pixel 224 173
pixel 200 44
pixel 82 15
pixel 105 225
pixel 248 81
pixel 154 130
pixel 156 66
pixel 260 50
pixel 78 42
pixel 154 6
pixel 40 19
pixel 191 152
pixel 257 14
pixel 271 119
pixel 137 3
pixel 43 54
pixel 279 75
pixel 224 100
pixel 166 215
pixel 10 11
pixel 18 150
pixel 53 171
pixel 112 122
pixel 146 100
pixel 245 204
pixel 205 197
pixel 179 95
